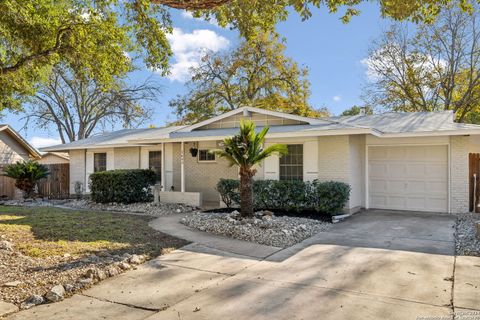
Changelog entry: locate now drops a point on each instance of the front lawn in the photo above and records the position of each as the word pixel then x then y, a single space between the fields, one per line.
pixel 57 246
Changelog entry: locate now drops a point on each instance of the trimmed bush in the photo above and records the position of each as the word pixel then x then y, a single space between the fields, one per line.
pixel 122 186
pixel 324 197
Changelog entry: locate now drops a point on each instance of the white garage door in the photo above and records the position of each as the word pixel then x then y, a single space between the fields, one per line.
pixel 408 178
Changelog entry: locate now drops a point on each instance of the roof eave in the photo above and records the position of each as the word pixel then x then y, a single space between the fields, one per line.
pixel 31 149
pixel 462 132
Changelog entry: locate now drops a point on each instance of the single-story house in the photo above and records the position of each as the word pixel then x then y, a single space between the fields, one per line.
pixel 13 148
pixel 408 161
pixel 54 158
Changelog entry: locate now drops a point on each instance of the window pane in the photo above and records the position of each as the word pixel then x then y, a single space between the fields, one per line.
pixel 99 162
pixel 204 155
pixel 155 163
pixel 291 165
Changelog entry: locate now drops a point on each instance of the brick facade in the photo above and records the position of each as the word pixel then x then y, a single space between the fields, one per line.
pixel 77 169
pixel 459 174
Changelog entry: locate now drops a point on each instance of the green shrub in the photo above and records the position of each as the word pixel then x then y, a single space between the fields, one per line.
pixel 123 186
pixel 325 197
pixel 26 175
pixel 228 189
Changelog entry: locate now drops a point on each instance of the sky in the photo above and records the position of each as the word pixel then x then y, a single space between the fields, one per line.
pixel 333 52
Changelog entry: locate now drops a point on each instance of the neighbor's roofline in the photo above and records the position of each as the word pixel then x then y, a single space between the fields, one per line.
pixel 31 149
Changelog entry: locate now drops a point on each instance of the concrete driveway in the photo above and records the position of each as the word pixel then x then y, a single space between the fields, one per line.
pixel 376 265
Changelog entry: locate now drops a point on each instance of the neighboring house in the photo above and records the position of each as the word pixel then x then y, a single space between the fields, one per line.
pixel 13 148
pixel 54 158
pixel 409 161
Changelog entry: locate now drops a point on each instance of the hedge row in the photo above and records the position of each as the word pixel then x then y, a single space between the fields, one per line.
pixel 325 197
pixel 122 186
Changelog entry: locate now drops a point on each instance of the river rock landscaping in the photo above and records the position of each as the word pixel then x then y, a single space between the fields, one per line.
pixel 139 208
pixel 47 254
pixel 467 244
pixel 265 228
pixel 143 208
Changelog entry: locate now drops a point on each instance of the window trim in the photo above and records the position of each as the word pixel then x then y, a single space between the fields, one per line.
pixel 106 161
pixel 206 161
pixel 302 164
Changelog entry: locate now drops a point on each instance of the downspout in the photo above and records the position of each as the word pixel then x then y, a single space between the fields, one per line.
pixel 474 192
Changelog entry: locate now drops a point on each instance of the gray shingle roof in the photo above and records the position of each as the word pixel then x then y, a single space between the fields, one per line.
pixel 120 137
pixel 397 122
pixel 379 124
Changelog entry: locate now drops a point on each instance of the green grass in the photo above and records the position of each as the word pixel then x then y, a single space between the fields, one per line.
pixel 44 232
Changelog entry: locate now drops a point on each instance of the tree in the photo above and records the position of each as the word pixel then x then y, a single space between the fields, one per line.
pixel 435 68
pixel 246 150
pixel 357 110
pixel 78 107
pixel 26 175
pixel 256 74
pixel 249 15
pixel 91 36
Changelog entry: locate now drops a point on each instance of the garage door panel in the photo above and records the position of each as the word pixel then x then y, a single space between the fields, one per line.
pixel 396 154
pixel 378 201
pixel 408 178
pixel 378 186
pixel 395 187
pixel 377 169
pixel 436 171
pixel 415 169
pixel 378 154
pixel 415 187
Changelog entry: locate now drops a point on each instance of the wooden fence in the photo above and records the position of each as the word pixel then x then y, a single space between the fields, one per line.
pixel 7 186
pixel 55 186
pixel 474 192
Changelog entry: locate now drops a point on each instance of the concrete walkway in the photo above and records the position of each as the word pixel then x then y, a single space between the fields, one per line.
pixel 376 265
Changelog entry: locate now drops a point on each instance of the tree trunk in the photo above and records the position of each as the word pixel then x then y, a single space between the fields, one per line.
pixel 246 193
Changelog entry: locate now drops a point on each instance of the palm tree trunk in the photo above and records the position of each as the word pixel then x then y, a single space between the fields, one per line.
pixel 246 194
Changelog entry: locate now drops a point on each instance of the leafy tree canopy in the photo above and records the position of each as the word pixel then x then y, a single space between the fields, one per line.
pixel 249 15
pixel 94 35
pixel 256 74
pixel 91 36
pixel 434 68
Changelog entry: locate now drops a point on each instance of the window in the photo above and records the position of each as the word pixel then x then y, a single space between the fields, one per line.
pixel 99 162
pixel 155 163
pixel 291 165
pixel 204 155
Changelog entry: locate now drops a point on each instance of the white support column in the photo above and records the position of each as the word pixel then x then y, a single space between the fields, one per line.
pixel 162 170
pixel 182 167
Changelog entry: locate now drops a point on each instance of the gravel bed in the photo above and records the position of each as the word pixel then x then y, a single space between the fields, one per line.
pixel 265 228
pixel 22 277
pixel 466 242
pixel 140 208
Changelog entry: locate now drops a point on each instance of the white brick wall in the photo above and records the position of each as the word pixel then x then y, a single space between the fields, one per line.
pixel 202 176
pixel 77 169
pixel 459 174
pixel 333 161
pixel 127 158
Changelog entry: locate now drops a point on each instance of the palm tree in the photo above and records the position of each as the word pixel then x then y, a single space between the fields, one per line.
pixel 26 175
pixel 246 150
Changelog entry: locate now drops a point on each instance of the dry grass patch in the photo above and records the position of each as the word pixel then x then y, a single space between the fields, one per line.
pixel 56 246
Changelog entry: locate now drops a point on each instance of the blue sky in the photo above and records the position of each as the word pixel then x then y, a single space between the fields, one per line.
pixel 332 51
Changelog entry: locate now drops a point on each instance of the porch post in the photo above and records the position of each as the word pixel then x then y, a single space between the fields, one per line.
pixel 182 167
pixel 162 170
